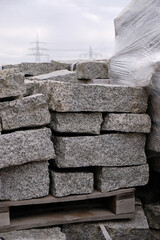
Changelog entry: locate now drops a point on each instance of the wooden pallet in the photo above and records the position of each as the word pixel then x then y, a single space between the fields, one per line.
pixel 51 211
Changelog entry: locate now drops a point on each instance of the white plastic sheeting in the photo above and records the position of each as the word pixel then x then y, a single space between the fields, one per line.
pixel 136 61
pixel 137 46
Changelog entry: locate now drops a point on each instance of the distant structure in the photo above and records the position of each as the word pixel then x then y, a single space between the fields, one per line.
pixel 90 55
pixel 38 51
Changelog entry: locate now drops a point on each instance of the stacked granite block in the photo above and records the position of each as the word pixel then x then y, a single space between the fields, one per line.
pixel 35 234
pixel 25 140
pixel 99 133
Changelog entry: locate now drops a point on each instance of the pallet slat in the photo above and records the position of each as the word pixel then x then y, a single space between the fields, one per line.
pixel 51 211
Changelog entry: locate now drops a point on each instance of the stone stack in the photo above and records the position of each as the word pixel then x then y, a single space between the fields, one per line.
pixel 25 141
pixel 98 133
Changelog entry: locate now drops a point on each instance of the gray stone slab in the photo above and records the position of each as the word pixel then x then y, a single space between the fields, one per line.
pixel 61 75
pixel 34 69
pixel 92 69
pixel 152 212
pixel 140 123
pixel 134 229
pixel 70 97
pixel 24 182
pixel 25 146
pixel 11 83
pixel 153 139
pixel 35 234
pixel 103 150
pixel 68 183
pixel 76 122
pixel 29 87
pixel 109 179
pixel 26 112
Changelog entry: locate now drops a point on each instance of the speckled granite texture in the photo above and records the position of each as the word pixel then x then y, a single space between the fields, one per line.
pixel 26 112
pixel 103 150
pixel 92 69
pixel 70 97
pixel 35 234
pixel 24 182
pixel 76 122
pixel 11 83
pixel 25 146
pixel 140 123
pixel 109 179
pixel 67 183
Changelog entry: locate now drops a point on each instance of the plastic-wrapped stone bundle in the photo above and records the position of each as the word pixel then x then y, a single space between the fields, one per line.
pixel 137 49
pixel 136 61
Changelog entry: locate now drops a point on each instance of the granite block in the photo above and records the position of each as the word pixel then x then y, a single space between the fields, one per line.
pixel 69 183
pixel 61 75
pixel 92 70
pixel 103 150
pixel 29 87
pixel 11 83
pixel 25 146
pixel 26 112
pixel 35 234
pixel 113 178
pixel 152 212
pixel 24 182
pixel 76 122
pixel 71 97
pixel 34 69
pixel 140 123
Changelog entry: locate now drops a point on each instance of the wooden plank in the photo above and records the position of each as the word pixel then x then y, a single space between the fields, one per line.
pixel 4 219
pixel 4 209
pixel 122 203
pixel 51 199
pixel 64 217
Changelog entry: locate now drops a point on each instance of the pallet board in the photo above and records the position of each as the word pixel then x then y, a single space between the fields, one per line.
pixel 51 211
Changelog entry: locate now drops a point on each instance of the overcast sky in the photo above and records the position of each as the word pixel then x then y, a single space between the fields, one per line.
pixel 68 28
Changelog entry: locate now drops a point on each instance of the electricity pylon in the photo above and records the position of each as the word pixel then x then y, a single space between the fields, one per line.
pixel 38 51
pixel 90 55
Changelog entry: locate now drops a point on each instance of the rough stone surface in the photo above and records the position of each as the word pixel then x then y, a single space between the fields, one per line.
pixel 77 122
pixel 34 69
pixel 153 139
pixel 152 212
pixel 103 150
pixel 35 234
pixel 31 111
pixel 68 183
pixel 11 83
pixel 140 123
pixel 24 182
pixel 154 234
pixel 29 87
pixel 69 97
pixel 134 229
pixel 92 69
pixel 25 146
pixel 109 179
pixel 61 75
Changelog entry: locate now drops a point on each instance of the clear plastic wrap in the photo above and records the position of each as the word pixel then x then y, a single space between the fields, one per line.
pixel 136 61
pixel 137 46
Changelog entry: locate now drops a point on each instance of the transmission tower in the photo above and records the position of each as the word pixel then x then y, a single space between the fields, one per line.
pixel 90 55
pixel 38 51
